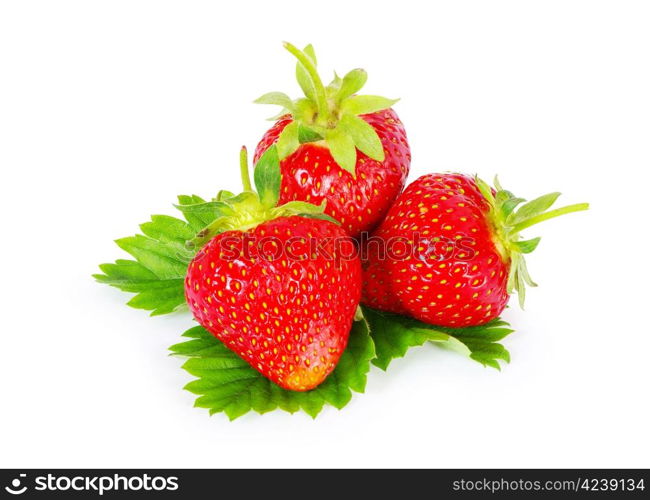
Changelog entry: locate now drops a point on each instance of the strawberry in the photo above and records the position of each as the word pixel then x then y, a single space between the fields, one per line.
pixel 350 150
pixel 449 251
pixel 278 288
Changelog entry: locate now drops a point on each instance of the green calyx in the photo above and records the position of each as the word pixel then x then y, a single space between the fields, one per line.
pixel 328 113
pixel 250 208
pixel 508 216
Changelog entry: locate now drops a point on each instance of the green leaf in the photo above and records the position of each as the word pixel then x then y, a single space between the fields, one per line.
pixel 267 177
pixel 197 211
pixel 351 83
pixel 288 141
pixel 364 104
pixel 394 334
pixel 528 246
pixel 157 274
pixel 342 148
pixel 160 296
pixel 276 98
pixel 532 208
pixel 165 260
pixel 227 384
pixel 364 136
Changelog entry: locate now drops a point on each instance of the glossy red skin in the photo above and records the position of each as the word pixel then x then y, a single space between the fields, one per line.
pixel 311 174
pixel 288 317
pixel 464 286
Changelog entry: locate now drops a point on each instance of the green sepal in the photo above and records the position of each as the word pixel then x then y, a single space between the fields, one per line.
pixel 366 104
pixel 278 99
pixel 288 141
pixel 342 148
pixel 351 83
pixel 329 112
pixel 305 80
pixel 305 134
pixel 528 246
pixel 249 209
pixel 532 208
pixel 267 177
pixel 508 217
pixel 224 195
pixel 363 136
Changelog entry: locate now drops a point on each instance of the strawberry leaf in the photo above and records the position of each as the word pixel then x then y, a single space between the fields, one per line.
pixel 226 383
pixel 157 274
pixel 394 335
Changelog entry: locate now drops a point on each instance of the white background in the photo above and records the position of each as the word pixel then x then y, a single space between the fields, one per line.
pixel 110 109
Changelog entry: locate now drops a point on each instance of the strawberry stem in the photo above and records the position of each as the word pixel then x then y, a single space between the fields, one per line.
pixel 549 215
pixel 319 88
pixel 243 168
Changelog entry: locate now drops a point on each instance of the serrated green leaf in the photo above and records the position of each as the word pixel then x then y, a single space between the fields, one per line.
pixel 288 141
pixel 267 177
pixel 394 334
pixel 152 293
pixel 167 229
pixel 364 104
pixel 342 148
pixel 157 274
pixel 197 211
pixel 351 84
pixel 165 260
pixel 365 137
pixel 532 208
pixel 227 384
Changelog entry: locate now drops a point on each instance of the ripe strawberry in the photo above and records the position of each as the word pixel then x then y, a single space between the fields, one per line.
pixel 350 150
pixel 449 251
pixel 278 289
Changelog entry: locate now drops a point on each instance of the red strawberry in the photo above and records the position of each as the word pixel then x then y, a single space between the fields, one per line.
pixel 280 290
pixel 350 150
pixel 289 317
pixel 449 251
